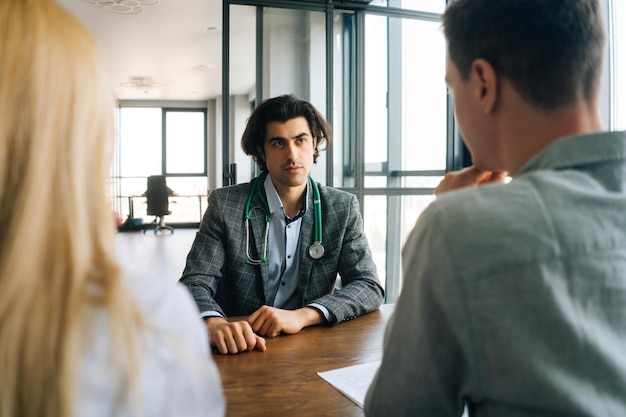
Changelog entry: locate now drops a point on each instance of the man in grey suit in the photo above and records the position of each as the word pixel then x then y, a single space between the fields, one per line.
pixel 271 249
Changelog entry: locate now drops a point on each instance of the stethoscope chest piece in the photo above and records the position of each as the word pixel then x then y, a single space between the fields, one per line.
pixel 316 250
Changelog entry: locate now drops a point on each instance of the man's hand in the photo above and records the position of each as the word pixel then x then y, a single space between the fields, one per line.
pixel 466 177
pixel 233 337
pixel 270 321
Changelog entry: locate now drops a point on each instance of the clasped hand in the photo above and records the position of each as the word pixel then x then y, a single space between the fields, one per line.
pixel 468 177
pixel 245 335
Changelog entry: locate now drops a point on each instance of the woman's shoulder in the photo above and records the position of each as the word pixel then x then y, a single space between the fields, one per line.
pixel 176 374
pixel 163 302
pixel 178 365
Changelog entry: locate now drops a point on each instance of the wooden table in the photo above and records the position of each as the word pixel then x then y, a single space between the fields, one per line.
pixel 283 381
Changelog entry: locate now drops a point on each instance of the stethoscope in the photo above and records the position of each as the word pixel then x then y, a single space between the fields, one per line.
pixel 316 250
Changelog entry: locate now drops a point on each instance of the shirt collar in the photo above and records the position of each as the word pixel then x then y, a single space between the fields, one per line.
pixel 573 151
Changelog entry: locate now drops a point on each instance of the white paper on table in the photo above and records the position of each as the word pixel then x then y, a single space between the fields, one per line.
pixel 352 381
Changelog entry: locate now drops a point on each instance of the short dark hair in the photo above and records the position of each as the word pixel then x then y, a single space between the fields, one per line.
pixel 550 50
pixel 282 109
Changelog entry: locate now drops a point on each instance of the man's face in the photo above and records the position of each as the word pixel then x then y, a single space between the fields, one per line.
pixel 288 153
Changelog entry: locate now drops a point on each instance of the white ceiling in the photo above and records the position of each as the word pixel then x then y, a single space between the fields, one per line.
pixel 178 43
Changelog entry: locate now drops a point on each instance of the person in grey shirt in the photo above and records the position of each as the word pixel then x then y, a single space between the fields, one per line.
pixel 514 294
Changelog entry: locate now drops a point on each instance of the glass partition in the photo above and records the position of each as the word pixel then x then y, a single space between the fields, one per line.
pixel 431 6
pixel 285 51
pixel 619 51
pixel 405 101
pixel 403 212
pixel 242 85
pixel 389 107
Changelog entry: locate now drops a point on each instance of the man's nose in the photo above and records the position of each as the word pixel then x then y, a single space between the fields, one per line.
pixel 291 150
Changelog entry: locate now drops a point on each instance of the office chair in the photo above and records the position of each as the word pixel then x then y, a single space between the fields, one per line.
pixel 157 195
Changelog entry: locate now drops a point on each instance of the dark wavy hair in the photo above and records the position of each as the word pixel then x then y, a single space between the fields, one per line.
pixel 550 50
pixel 282 109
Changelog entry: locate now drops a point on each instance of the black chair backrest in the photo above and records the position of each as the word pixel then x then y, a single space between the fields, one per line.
pixel 157 195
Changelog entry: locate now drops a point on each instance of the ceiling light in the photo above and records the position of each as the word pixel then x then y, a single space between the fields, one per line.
pixel 141 83
pixel 124 6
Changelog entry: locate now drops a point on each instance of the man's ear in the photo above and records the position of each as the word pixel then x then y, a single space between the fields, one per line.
pixel 486 80
pixel 261 152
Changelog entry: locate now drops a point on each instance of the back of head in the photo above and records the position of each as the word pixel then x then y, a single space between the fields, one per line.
pixel 550 50
pixel 281 109
pixel 56 123
pixel 55 141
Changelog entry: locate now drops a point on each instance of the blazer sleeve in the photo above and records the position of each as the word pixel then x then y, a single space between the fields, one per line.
pixel 205 261
pixel 361 291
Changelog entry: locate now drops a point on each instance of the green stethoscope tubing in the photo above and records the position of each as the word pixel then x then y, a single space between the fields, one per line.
pixel 316 250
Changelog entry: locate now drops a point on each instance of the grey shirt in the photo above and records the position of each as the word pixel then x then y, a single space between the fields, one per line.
pixel 514 296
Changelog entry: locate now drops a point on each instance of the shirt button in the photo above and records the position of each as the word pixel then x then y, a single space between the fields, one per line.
pixel 282 283
pixel 288 256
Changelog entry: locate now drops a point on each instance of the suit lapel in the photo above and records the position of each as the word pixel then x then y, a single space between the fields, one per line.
pixel 306 239
pixel 258 225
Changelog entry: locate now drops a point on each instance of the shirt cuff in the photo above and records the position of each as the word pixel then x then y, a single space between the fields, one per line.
pixel 330 317
pixel 206 314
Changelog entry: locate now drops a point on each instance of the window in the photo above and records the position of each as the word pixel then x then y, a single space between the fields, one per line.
pixel 619 50
pixel 140 139
pixel 185 142
pixel 405 133
pixel 161 141
pixel 405 102
pixel 432 6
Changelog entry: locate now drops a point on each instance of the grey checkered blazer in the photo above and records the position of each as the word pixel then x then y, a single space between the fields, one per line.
pixel 219 278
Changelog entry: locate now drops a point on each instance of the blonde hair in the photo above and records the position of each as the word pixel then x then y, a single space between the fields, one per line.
pixel 57 255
